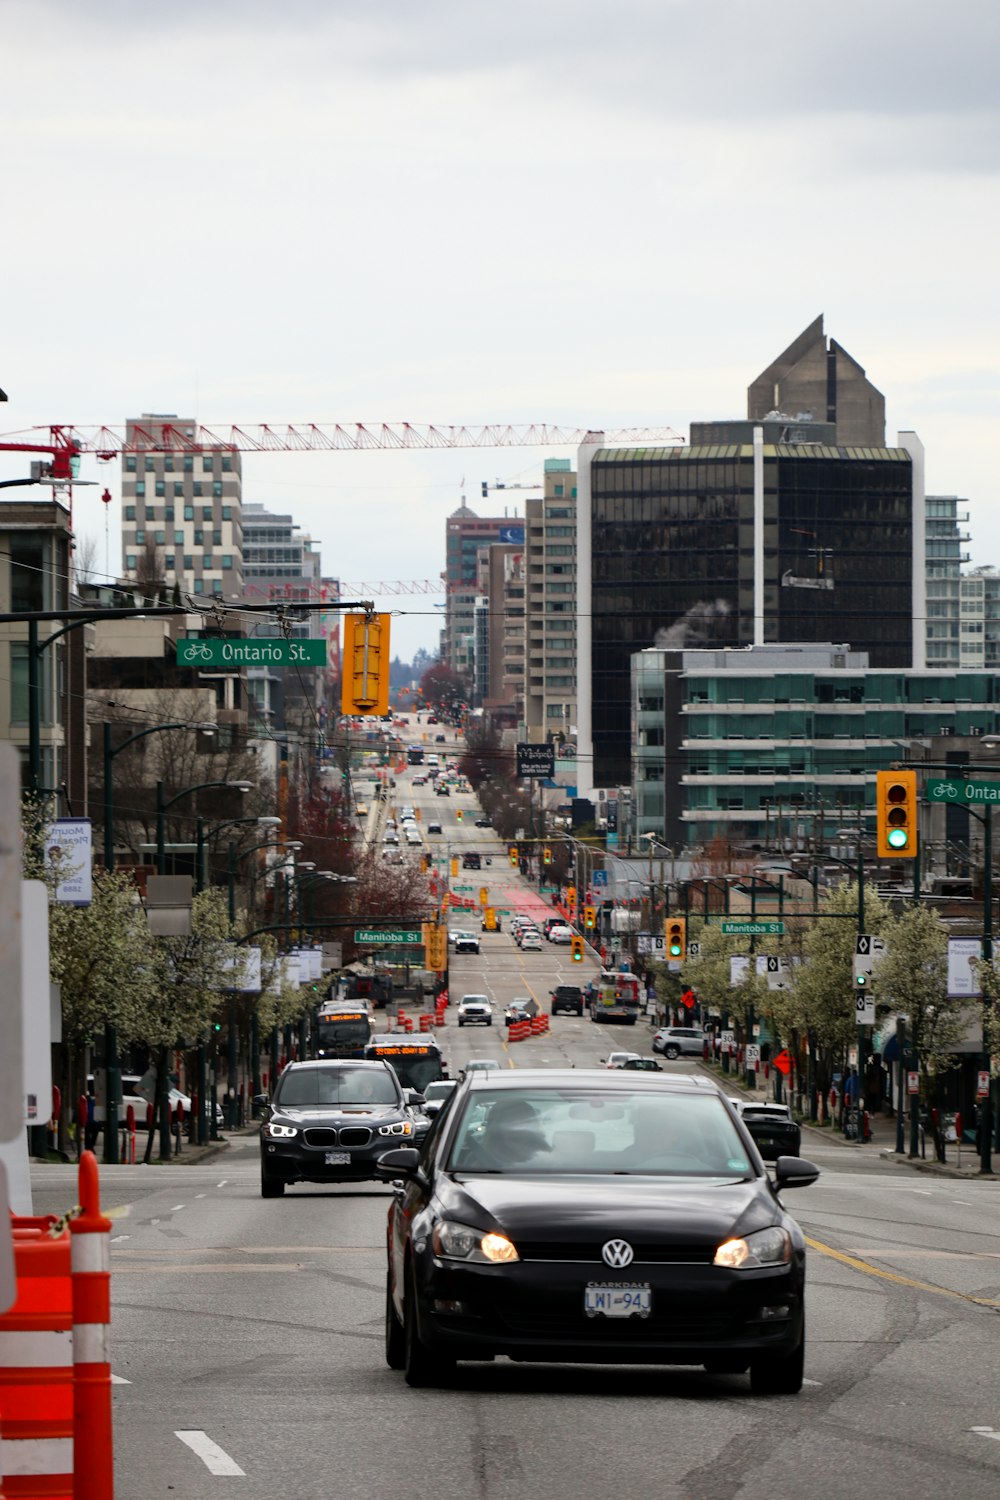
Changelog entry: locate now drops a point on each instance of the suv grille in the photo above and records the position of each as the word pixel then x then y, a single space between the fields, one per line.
pixel 355 1135
pixel 319 1136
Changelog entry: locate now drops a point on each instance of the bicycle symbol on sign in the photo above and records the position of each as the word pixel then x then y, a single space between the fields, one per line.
pixel 946 791
pixel 197 651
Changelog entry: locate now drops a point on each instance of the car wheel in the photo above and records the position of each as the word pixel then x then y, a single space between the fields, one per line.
pixel 779 1376
pixel 270 1187
pixel 490 1021
pixel 395 1339
pixel 460 1021
pixel 672 1052
pixel 421 1366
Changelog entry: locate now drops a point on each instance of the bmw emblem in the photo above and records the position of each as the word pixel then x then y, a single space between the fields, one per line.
pixel 617 1253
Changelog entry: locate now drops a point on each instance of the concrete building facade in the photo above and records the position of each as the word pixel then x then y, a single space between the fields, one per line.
pixel 465 533
pixel 551 565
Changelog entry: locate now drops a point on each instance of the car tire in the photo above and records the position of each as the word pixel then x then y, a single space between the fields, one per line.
pixel 421 1366
pixel 779 1376
pixel 672 1052
pixel 490 1021
pixel 270 1187
pixel 395 1338
pixel 460 1021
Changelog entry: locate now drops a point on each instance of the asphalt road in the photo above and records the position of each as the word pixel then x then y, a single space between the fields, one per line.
pixel 248 1335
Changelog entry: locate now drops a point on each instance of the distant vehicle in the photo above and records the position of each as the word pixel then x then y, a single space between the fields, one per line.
pixel 481 1065
pixel 432 719
pixel 441 790
pixel 560 934
pixel 436 1096
pixel 775 1133
pixel 679 1041
pixel 491 920
pixel 483 823
pixel 521 1008
pixel 471 861
pixel 458 932
pixel 343 1028
pixel 619 1059
pixel 475 1010
pixel 415 755
pixel 439 739
pixel 567 997
pixel 416 1062
pixel 643 1065
pixel 531 942
pixel 467 943
pixel 615 997
pixel 434 828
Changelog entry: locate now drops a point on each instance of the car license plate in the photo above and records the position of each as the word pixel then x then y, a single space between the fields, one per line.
pixel 618 1300
pixel 337 1158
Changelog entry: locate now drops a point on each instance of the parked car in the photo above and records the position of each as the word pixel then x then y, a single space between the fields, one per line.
pixel 475 1010
pixel 679 1041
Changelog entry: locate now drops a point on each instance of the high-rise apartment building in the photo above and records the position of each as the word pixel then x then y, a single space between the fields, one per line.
pixel 465 534
pixel 181 512
pixel 946 540
pixel 550 558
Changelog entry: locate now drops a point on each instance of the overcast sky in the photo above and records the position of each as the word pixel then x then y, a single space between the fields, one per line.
pixel 549 210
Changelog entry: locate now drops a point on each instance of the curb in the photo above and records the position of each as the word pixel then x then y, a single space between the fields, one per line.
pixel 937 1168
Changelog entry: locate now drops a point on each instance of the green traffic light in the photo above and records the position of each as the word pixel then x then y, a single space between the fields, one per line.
pixel 897 838
pixel 675 950
pixel 862 979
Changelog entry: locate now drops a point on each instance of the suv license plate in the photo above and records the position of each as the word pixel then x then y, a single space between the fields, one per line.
pixel 337 1158
pixel 617 1301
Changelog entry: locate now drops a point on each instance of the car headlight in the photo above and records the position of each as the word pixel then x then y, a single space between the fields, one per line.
pixel 279 1132
pixel 767 1247
pixel 401 1127
pixel 462 1242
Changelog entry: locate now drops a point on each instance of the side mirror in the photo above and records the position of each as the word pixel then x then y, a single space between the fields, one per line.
pixel 261 1100
pixel 404 1161
pixel 417 1099
pixel 794 1172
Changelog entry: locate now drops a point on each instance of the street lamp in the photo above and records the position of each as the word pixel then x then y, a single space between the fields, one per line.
pixel 162 807
pixel 110 752
pixel 203 832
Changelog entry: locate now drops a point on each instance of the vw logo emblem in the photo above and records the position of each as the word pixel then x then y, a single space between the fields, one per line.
pixel 617 1253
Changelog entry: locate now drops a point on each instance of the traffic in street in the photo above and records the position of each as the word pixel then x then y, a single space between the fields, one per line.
pixel 249 1334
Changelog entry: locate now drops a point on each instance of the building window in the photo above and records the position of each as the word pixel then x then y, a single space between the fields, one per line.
pixel 161 487
pixel 178 538
pixel 140 489
pixel 130 463
pixel 168 562
pixel 189 512
pixel 217 489
pixel 216 585
pixel 178 489
pixel 149 464
pixel 189 463
pixel 227 512
pixel 130 512
pixel 161 537
pixel 199 585
pixel 206 512
pixel 198 491
pixel 558 489
pixel 207 562
pixel 188 560
pixel 206 463
pixel 130 561
pixel 216 538
pixel 227 463
pixel 199 538
pixel 140 538
pixel 168 512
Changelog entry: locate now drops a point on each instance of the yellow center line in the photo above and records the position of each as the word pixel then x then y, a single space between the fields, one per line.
pixel 869 1270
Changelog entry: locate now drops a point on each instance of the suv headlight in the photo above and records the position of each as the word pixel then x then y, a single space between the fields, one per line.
pixel 767 1247
pixel 461 1242
pixel 401 1127
pixel 279 1132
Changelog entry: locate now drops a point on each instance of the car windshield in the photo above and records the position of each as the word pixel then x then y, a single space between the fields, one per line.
pixel 338 1086
pixel 438 1090
pixel 591 1132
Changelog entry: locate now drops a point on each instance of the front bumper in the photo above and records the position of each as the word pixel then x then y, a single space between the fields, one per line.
pixel 535 1311
pixel 291 1161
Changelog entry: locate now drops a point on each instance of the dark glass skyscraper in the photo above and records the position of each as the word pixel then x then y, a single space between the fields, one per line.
pixel 671 559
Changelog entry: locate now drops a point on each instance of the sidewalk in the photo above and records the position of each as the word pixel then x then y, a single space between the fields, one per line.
pixel 882 1143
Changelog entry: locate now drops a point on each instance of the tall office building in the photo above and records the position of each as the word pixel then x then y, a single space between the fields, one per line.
pixel 733 542
pixel 181 512
pixel 818 377
pixel 465 534
pixel 550 557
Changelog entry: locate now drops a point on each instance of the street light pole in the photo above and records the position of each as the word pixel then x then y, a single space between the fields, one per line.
pixel 109 754
pixel 163 805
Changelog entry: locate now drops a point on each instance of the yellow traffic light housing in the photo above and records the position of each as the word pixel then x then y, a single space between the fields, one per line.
pixel 589 918
pixel 675 932
pixel 546 855
pixel 365 681
pixel 576 948
pixel 896 814
pixel 512 853
pixel 454 869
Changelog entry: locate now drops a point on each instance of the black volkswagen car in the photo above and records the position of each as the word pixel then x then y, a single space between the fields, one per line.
pixel 330 1122
pixel 594 1217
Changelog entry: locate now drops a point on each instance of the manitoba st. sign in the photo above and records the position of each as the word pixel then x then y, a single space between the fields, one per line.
pixel 536 760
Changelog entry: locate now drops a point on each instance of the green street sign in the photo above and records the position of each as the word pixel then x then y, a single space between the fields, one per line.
pixel 956 789
pixel 256 651
pixel 367 935
pixel 752 929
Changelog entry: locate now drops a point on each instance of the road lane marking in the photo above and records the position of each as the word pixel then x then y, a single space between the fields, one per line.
pixel 201 1195
pixel 989 1432
pixel 117 1239
pixel 120 1380
pixel 869 1270
pixel 215 1459
pixel 177 1208
pixel 223 1182
pixel 214 1270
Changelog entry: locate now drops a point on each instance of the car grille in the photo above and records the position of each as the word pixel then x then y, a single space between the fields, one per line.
pixel 318 1136
pixel 590 1254
pixel 355 1135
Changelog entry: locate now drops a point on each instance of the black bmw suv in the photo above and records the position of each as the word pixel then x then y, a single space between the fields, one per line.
pixel 330 1122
